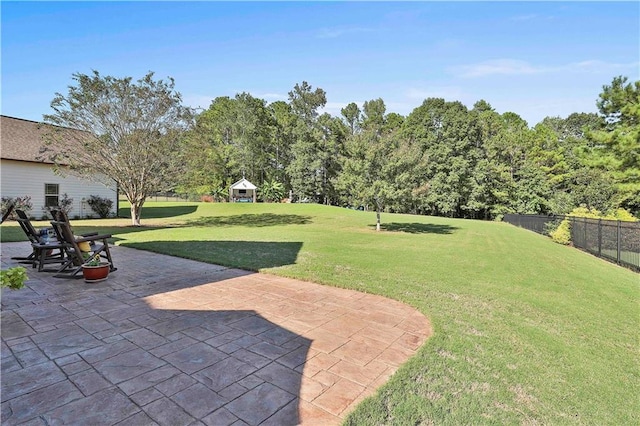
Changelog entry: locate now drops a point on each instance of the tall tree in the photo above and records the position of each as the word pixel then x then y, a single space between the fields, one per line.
pixel 305 169
pixel 305 102
pixel 373 114
pixel 352 116
pixel 334 133
pixel 378 165
pixel 252 137
pixel 557 147
pixel 283 137
pixel 493 177
pixel 232 139
pixel 209 152
pixel 618 145
pixel 131 133
pixel 448 136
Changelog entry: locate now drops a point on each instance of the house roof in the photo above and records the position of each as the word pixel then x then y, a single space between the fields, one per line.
pixel 21 139
pixel 243 184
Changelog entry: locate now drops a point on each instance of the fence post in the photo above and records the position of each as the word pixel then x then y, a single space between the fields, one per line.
pixel 599 237
pixel 619 242
pixel 573 230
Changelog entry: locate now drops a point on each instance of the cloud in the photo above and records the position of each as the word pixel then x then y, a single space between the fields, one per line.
pixel 596 66
pixel 518 67
pixel 493 67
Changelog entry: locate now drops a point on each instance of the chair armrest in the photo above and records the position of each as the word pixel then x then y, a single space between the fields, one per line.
pixel 90 234
pixel 93 238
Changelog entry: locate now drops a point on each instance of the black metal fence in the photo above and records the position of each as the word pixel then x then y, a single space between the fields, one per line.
pixel 613 240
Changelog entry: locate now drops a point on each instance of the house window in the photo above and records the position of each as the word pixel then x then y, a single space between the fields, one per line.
pixel 51 193
pixel 242 191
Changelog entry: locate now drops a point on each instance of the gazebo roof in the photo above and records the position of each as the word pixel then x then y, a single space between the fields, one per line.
pixel 243 184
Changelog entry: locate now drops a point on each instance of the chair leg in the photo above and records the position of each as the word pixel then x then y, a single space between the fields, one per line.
pixel 106 249
pixel 29 259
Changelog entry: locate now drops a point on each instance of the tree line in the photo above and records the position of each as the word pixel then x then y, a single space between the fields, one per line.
pixel 442 159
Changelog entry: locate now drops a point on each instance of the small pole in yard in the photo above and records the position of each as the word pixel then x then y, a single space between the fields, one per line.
pixel 599 237
pixel 619 241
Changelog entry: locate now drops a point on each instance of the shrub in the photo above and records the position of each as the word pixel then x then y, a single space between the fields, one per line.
pixel 13 278
pixel 562 234
pixel 272 191
pixel 220 194
pixel 21 203
pixel 100 206
pixel 65 203
pixel 621 215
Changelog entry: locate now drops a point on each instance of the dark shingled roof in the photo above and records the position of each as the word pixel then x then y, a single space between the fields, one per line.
pixel 21 139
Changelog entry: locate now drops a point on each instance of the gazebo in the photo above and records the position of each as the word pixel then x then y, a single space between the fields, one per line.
pixel 242 191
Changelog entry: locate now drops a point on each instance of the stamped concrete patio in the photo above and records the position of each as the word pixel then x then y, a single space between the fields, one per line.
pixel 171 341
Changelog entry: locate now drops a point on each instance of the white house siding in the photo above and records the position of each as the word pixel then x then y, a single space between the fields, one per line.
pixel 20 178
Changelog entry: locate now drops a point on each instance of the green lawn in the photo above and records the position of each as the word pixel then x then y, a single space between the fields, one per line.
pixel 525 330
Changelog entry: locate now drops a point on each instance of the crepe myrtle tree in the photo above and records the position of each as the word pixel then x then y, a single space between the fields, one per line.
pixel 114 128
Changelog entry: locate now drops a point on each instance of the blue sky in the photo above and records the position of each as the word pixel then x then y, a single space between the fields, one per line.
pixel 536 59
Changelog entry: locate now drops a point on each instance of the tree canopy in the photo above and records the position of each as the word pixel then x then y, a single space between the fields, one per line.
pixel 118 129
pixel 616 147
pixel 442 159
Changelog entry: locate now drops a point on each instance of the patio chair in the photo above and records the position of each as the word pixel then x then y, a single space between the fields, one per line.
pixel 61 216
pixel 44 250
pixel 98 245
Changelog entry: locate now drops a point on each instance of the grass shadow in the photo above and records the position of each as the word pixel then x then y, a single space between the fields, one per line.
pixel 251 220
pixel 418 228
pixel 249 255
pixel 159 212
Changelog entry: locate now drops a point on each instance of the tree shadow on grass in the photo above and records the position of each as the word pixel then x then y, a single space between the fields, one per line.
pixel 251 220
pixel 248 255
pixel 159 212
pixel 418 228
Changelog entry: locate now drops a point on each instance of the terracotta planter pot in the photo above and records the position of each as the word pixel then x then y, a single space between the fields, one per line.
pixel 93 274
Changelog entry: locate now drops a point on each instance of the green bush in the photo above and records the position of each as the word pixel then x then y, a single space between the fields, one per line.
pixel 272 191
pixel 100 206
pixel 621 215
pixel 13 278
pixel 562 233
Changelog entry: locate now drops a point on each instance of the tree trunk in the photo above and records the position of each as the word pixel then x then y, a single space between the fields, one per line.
pixel 136 210
pixel 377 219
